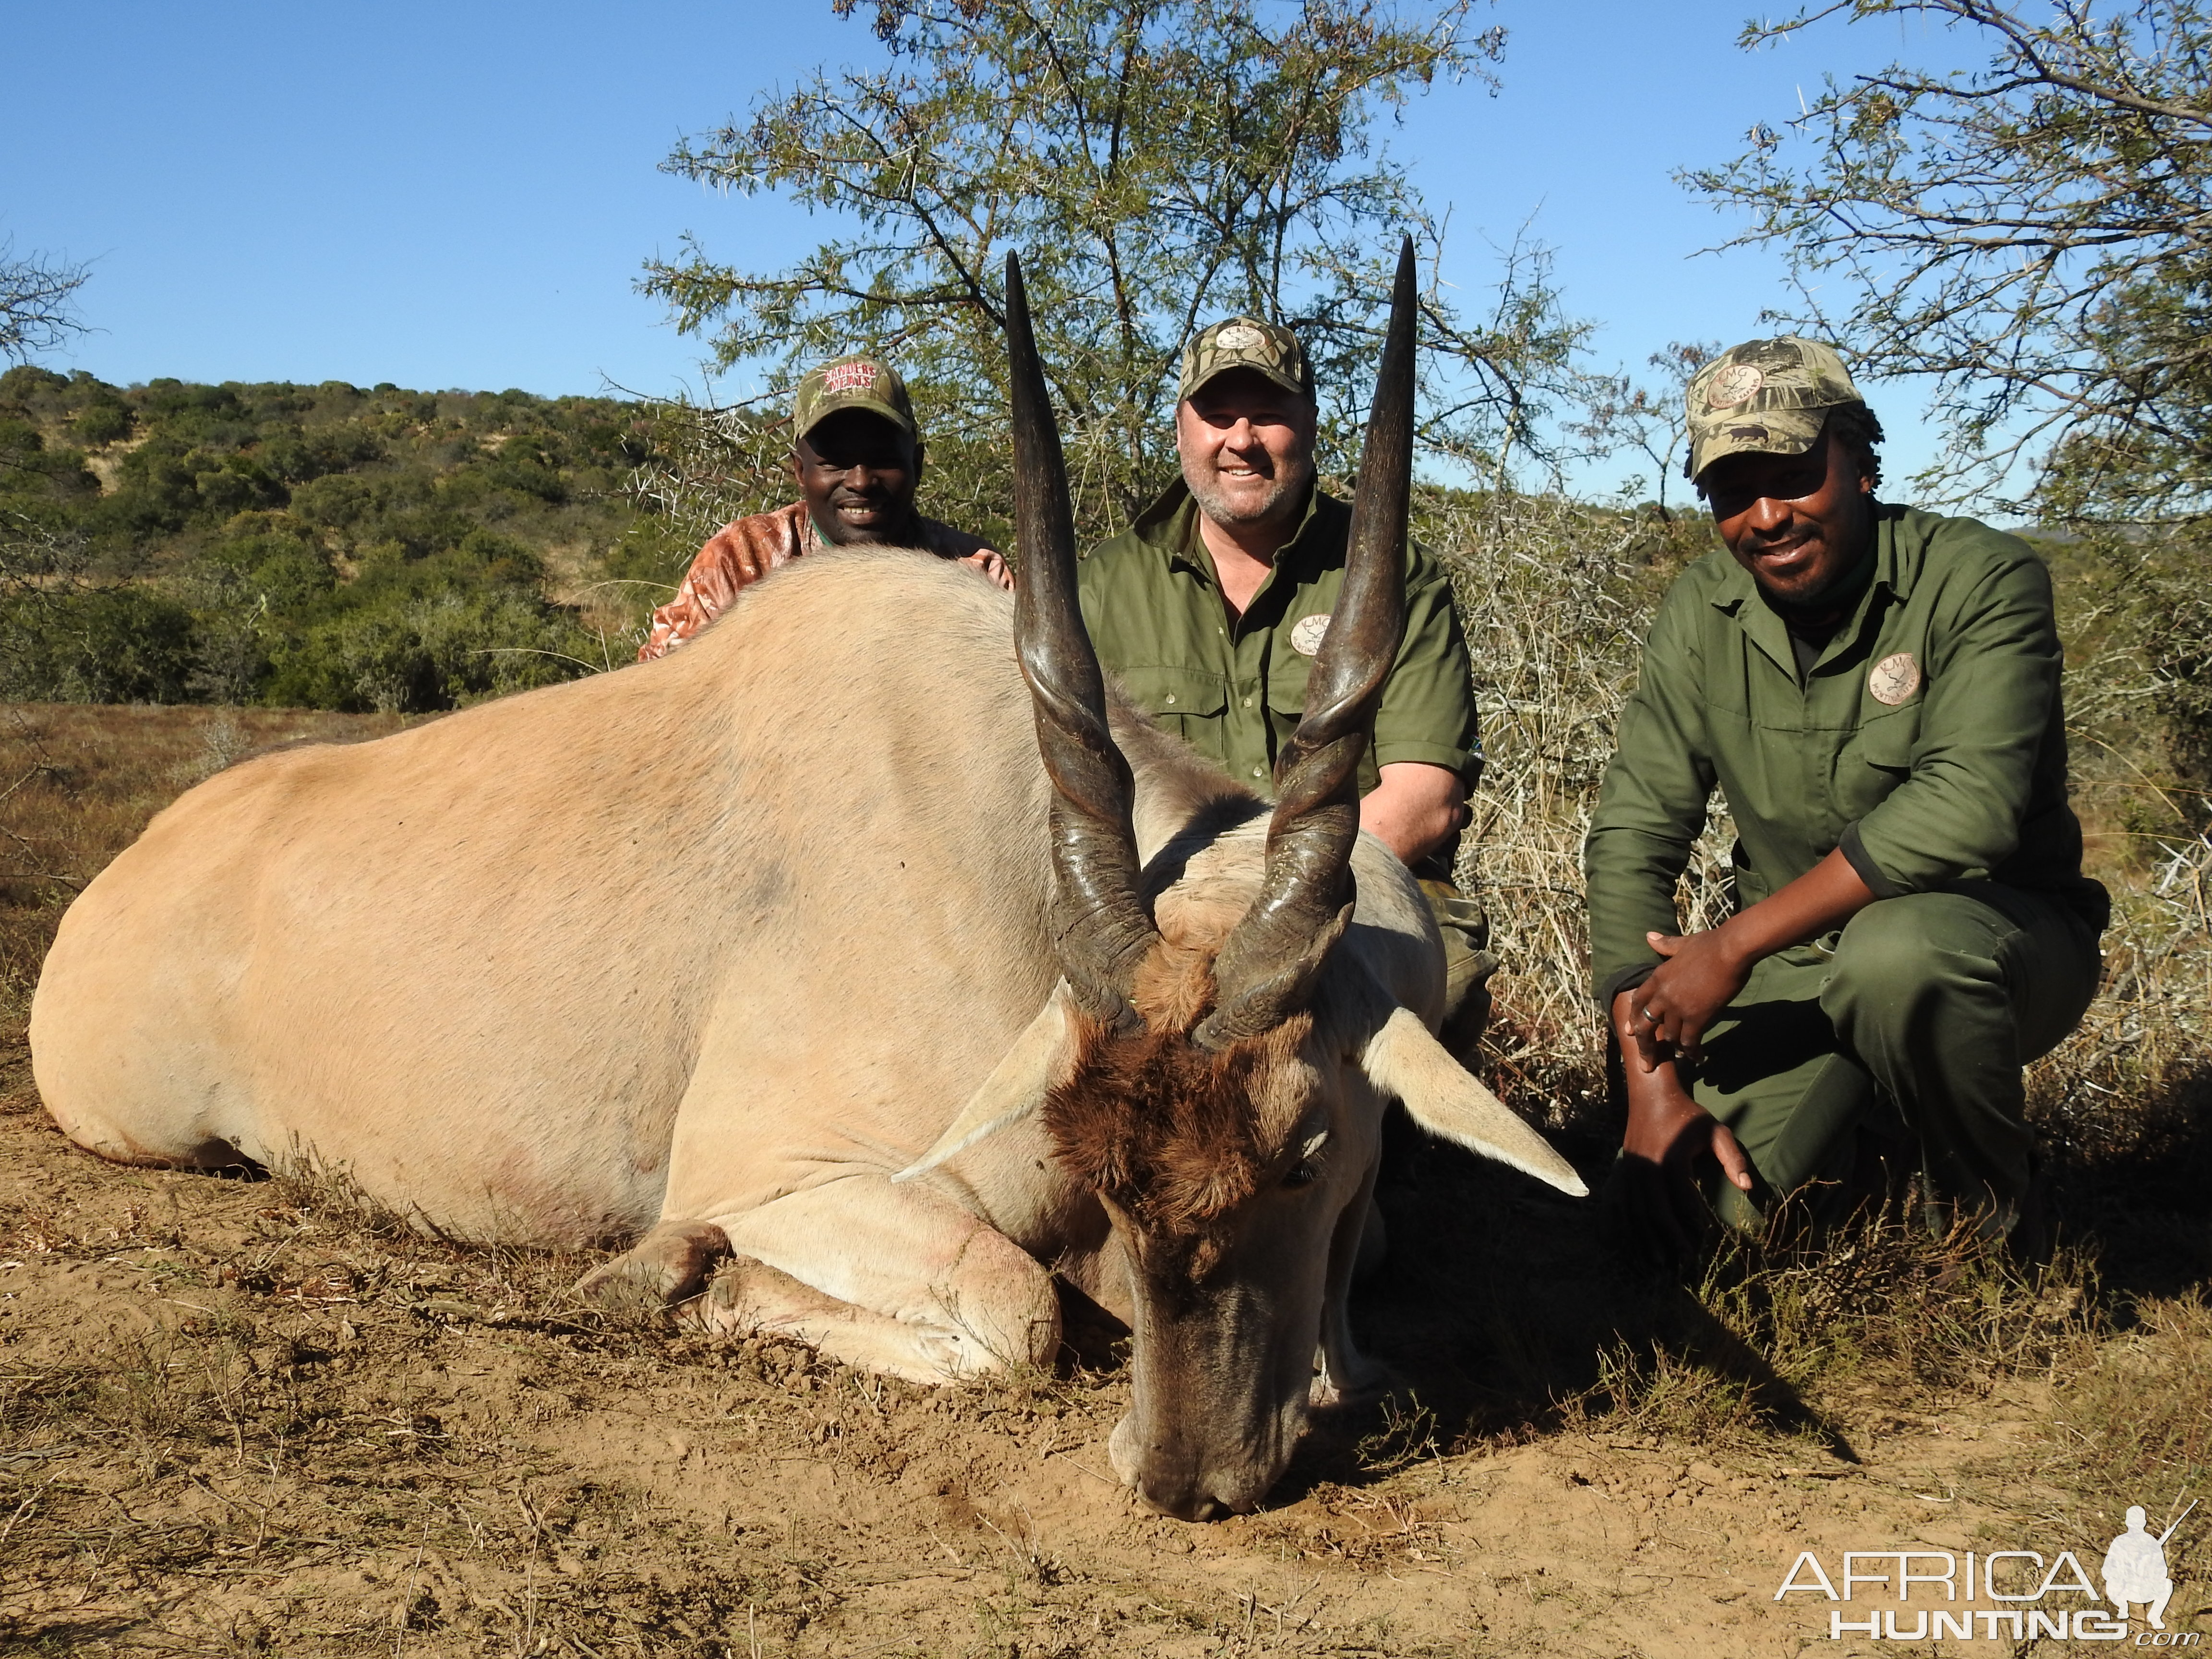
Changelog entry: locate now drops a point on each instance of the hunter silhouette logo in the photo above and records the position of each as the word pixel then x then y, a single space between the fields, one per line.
pixel 2135 1568
pixel 2028 1592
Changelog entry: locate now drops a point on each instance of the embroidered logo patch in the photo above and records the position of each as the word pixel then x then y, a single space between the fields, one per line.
pixel 849 377
pixel 1237 338
pixel 1733 385
pixel 1893 680
pixel 1306 632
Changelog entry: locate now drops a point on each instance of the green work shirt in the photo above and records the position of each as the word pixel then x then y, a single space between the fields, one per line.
pixel 1928 740
pixel 1234 690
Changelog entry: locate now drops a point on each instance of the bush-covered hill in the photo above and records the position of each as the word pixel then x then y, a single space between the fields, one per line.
pixel 308 546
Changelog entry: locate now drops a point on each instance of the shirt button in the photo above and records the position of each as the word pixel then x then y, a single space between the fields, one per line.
pixel 1170 696
pixel 1258 771
pixel 1248 702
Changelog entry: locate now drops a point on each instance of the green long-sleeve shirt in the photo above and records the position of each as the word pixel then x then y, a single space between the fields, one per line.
pixel 1928 740
pixel 1235 690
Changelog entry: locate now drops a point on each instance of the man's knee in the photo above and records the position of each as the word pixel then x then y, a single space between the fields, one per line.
pixel 1899 959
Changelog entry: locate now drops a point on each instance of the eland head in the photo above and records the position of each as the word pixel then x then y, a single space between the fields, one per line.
pixel 1215 1064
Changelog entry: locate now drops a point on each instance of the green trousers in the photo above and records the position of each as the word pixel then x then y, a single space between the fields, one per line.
pixel 1909 1028
pixel 1469 964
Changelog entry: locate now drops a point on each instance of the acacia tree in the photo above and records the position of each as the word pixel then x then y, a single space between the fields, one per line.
pixel 36 308
pixel 2035 234
pixel 1156 163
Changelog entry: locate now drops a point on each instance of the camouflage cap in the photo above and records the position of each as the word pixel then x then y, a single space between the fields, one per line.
pixel 853 382
pixel 1763 396
pixel 1246 343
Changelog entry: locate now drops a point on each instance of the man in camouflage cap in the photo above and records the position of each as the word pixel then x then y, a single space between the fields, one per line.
pixel 1875 690
pixel 856 454
pixel 1210 607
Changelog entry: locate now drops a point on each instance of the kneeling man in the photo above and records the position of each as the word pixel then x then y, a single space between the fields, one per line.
pixel 1875 690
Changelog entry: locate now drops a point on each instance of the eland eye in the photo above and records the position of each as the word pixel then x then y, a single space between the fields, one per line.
pixel 1307 1169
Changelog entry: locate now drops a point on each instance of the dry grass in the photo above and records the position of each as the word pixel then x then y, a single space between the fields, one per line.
pixel 297 1468
pixel 1556 596
pixel 282 1420
pixel 2140 1417
pixel 1878 1320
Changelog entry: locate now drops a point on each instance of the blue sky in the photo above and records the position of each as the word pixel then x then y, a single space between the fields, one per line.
pixel 461 194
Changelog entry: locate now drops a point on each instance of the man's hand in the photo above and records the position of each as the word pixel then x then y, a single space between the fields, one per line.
pixel 992 566
pixel 1667 1134
pixel 1702 974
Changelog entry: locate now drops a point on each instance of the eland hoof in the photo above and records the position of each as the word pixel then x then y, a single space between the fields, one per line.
pixel 669 1265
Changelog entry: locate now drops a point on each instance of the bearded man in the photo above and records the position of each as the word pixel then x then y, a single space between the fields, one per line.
pixel 1210 607
pixel 1875 691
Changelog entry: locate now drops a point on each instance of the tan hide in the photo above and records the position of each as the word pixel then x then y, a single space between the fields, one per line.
pixel 714 946
pixel 788 883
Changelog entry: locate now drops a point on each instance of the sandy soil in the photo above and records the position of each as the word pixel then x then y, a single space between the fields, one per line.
pixel 266 1427
pixel 242 1417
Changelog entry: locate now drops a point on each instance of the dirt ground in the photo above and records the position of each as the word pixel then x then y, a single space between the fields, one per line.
pixel 241 1416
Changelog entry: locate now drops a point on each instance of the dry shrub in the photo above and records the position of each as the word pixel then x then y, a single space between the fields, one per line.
pixel 1556 595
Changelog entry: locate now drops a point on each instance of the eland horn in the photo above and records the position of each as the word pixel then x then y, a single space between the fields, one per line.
pixel 1269 964
pixel 1101 926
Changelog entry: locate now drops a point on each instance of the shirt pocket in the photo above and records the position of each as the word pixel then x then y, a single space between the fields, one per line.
pixel 1287 675
pixel 1173 694
pixel 1876 760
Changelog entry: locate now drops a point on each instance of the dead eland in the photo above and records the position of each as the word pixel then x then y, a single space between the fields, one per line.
pixel 869 949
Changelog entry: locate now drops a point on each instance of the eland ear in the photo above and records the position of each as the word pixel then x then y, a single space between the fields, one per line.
pixel 1040 1058
pixel 1450 1101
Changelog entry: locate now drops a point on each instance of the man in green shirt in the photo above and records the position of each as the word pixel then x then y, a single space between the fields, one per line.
pixel 1875 691
pixel 1210 607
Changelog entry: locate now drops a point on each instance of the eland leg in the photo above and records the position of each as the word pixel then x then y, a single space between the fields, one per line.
pixel 891 1279
pixel 1342 1374
pixel 894 1278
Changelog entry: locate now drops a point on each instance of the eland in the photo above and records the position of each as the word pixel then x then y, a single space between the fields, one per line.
pixel 861 967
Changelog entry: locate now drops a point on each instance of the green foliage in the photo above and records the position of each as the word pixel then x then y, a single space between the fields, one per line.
pixel 2034 235
pixel 319 546
pixel 1155 163
pixel 96 645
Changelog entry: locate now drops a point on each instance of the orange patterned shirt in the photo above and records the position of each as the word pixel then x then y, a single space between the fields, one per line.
pixel 742 552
